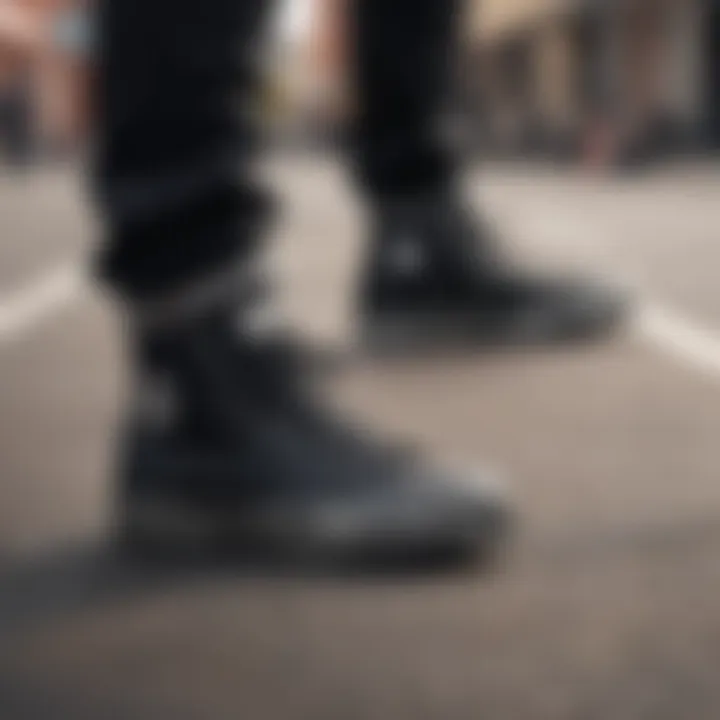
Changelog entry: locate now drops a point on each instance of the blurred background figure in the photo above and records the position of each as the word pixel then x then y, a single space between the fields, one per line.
pixel 65 75
pixel 610 82
pixel 44 72
pixel 306 95
pixel 19 46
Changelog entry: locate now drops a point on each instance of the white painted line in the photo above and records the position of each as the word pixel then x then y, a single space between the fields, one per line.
pixel 695 346
pixel 37 301
pixel 689 342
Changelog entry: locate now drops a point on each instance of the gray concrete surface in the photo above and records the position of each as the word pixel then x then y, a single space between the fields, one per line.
pixel 607 606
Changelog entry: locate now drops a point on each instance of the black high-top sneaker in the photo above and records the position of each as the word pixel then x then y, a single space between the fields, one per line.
pixel 434 280
pixel 228 448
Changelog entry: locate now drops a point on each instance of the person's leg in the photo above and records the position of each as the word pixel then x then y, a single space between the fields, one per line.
pixel 435 274
pixel 224 440
pixel 403 61
pixel 174 137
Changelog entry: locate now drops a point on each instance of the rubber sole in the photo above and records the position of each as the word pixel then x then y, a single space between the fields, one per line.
pixel 154 530
pixel 399 334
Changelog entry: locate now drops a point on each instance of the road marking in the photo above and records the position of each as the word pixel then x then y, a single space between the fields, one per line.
pixel 671 332
pixel 38 301
pixel 687 341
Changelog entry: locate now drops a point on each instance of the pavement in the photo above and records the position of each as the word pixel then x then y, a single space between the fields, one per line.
pixel 605 607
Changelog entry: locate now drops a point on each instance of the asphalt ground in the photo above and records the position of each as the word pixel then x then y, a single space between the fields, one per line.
pixel 608 604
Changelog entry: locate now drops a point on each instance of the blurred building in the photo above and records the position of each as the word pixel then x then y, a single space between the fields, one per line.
pixel 604 79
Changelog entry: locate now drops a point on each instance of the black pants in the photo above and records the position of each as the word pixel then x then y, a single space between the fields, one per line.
pixel 175 137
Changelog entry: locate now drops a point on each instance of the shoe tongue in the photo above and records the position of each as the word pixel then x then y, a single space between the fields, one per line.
pixel 405 255
pixel 435 232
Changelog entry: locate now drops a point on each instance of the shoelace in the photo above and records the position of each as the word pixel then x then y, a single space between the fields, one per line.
pixel 287 373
